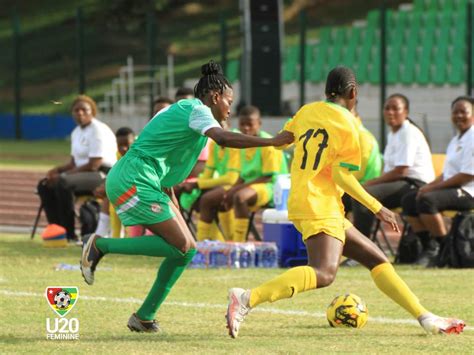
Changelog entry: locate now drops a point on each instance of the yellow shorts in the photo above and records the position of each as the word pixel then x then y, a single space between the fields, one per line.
pixel 263 195
pixel 335 227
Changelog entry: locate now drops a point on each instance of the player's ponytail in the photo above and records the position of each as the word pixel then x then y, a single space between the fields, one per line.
pixel 212 79
pixel 339 82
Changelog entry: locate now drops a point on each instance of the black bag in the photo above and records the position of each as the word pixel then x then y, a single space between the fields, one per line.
pixel 409 248
pixel 89 216
pixel 457 249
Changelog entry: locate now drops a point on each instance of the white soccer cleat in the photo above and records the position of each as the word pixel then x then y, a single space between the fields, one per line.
pixel 237 310
pixel 433 324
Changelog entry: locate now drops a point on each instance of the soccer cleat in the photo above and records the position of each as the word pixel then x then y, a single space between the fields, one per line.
pixel 237 309
pixel 91 256
pixel 433 324
pixel 135 324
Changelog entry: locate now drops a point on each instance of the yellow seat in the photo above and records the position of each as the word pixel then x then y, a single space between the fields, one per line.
pixel 438 163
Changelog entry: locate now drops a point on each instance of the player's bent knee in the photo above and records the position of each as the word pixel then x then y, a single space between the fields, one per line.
pixel 325 277
pixel 239 199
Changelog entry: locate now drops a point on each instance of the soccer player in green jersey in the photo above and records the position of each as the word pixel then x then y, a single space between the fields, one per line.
pixel 140 186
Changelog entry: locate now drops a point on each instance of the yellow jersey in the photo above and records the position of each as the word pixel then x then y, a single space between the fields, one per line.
pixel 325 136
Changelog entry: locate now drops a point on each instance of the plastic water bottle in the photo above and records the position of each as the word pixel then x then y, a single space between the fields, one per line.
pixel 267 255
pixel 247 255
pixel 218 255
pixel 199 261
pixel 281 189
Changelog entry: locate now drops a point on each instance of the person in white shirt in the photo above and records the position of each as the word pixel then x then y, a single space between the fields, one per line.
pixel 93 152
pixel 407 163
pixel 452 190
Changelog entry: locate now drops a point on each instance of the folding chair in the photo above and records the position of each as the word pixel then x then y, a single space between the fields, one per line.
pixel 378 227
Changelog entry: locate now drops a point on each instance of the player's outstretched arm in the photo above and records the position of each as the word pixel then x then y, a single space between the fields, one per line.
pixel 344 178
pixel 238 140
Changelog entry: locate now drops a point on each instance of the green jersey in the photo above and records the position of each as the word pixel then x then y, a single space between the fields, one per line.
pixel 174 138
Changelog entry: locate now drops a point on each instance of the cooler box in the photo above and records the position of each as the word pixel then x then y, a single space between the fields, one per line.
pixel 277 228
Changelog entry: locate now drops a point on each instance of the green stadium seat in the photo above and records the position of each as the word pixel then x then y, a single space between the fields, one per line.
pixel 439 75
pixel 233 70
pixel 408 72
pixel 353 38
pixel 290 64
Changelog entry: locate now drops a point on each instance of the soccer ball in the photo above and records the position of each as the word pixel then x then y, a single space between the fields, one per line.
pixel 62 299
pixel 347 311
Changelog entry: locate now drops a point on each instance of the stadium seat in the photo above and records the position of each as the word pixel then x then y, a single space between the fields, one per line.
pixel 233 70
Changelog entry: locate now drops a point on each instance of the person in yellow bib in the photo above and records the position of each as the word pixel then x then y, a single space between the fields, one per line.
pixel 254 188
pixel 221 172
pixel 326 151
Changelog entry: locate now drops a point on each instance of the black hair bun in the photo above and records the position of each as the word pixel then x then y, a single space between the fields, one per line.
pixel 211 68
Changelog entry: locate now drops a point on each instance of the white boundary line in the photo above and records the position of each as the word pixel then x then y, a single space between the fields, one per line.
pixel 217 306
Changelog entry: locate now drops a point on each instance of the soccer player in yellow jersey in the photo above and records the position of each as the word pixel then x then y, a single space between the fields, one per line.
pixel 326 151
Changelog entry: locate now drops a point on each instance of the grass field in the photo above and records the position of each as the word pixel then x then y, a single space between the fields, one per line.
pixel 33 155
pixel 193 317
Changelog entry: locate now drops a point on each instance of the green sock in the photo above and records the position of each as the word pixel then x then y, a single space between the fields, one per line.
pixel 168 273
pixel 147 246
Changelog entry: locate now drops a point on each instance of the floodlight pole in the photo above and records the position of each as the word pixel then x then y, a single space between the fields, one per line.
pixel 383 60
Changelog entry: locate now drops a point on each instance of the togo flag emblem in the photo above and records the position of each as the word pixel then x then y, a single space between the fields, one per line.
pixel 62 298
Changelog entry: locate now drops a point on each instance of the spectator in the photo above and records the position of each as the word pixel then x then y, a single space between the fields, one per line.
pixel 125 137
pixel 184 93
pixel 160 103
pixel 407 163
pixel 93 152
pixel 452 190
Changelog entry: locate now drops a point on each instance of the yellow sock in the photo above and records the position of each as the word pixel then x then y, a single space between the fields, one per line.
pixel 288 284
pixel 388 281
pixel 203 230
pixel 226 220
pixel 240 231
pixel 215 233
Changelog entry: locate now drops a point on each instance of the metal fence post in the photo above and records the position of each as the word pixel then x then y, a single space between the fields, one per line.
pixel 383 60
pixel 151 36
pixel 17 73
pixel 80 50
pixel 223 36
pixel 469 49
pixel 302 57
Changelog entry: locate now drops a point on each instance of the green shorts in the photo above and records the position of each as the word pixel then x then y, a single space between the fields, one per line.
pixel 134 188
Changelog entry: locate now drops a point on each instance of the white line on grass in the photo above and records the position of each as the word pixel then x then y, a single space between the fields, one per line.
pixel 287 312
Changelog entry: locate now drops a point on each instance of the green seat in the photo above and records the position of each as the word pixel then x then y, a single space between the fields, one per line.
pixel 439 76
pixel 233 70
pixel 426 41
pixel 407 75
pixel 290 63
pixel 335 58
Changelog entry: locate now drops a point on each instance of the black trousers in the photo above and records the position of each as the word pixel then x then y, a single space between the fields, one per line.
pixel 58 198
pixel 436 201
pixel 390 194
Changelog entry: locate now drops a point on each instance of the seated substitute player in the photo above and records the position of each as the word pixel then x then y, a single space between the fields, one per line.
pixel 326 150
pixel 140 185
pixel 254 189
pixel 221 172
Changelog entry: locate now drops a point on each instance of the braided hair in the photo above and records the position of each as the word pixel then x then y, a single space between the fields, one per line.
pixel 339 82
pixel 212 80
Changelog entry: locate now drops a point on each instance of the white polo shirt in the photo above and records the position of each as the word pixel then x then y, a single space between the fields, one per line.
pixel 460 158
pixel 408 147
pixel 96 140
